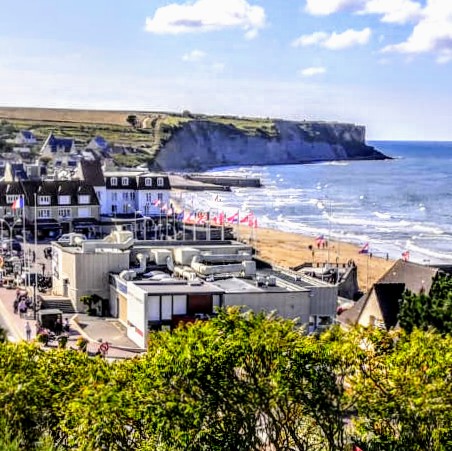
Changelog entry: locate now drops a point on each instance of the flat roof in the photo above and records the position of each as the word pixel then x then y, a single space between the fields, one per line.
pixel 175 286
pixel 236 285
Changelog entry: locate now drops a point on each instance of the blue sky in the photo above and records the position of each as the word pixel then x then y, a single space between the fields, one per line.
pixel 386 64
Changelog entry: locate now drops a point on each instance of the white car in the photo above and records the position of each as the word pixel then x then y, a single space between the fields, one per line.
pixel 66 238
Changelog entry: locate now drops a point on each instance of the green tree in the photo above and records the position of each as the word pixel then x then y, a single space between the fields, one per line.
pixel 427 310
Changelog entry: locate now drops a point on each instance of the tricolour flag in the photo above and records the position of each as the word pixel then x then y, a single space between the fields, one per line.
pixel 246 219
pixel 364 249
pixel 18 203
pixel 233 219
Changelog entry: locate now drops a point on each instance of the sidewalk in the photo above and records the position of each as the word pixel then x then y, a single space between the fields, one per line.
pixel 94 329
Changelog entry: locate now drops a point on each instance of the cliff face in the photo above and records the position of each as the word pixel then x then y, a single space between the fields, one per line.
pixel 201 144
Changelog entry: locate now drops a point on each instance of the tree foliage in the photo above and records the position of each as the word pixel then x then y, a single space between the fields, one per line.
pixel 236 382
pixel 429 310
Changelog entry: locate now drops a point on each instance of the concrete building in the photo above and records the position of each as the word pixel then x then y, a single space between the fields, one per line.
pixel 82 268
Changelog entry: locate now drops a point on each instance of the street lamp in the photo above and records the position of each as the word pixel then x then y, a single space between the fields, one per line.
pixel 135 224
pixel 10 229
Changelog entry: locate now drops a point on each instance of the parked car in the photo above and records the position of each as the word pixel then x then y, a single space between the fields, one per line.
pixel 66 237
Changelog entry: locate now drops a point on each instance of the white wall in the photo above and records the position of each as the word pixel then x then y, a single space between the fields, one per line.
pixel 137 327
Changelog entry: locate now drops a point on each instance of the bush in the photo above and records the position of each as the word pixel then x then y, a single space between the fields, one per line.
pixel 62 341
pixel 82 344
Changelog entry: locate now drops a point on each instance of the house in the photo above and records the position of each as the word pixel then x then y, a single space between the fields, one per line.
pixel 380 307
pixel 61 205
pixel 99 144
pixel 25 138
pixel 62 151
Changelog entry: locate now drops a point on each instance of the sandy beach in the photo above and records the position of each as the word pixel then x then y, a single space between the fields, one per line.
pixel 290 249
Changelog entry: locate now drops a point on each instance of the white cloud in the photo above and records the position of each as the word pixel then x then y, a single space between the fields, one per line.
pixel 335 41
pixel 393 11
pixel 312 71
pixel 310 39
pixel 193 56
pixel 207 15
pixel 327 7
pixel 433 33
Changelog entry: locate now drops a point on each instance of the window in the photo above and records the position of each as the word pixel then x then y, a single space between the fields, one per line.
pixel 125 181
pixel 114 181
pixel 64 200
pixel 64 212
pixel 160 197
pixel 84 199
pixel 114 197
pixel 84 212
pixel 10 198
pixel 147 181
pixel 125 208
pixel 44 213
pixel 132 195
pixel 125 196
pixel 44 200
pixel 113 209
pixel 160 181
pixel 148 197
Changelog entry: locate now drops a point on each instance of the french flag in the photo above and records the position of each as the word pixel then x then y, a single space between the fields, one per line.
pixel 246 219
pixel 364 249
pixel 18 203
pixel 233 219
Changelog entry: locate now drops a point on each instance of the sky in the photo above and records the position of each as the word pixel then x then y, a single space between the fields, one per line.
pixel 385 64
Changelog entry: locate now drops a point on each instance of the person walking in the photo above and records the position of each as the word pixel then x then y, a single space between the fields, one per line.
pixel 28 331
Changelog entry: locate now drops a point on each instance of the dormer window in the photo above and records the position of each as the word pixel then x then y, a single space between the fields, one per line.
pixel 160 181
pixel 84 199
pixel 64 200
pixel 114 181
pixel 148 181
pixel 125 181
pixel 44 200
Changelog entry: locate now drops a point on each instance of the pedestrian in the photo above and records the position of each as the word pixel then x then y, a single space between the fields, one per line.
pixel 66 325
pixel 28 331
pixel 16 305
pixel 58 327
pixel 33 256
pixel 22 307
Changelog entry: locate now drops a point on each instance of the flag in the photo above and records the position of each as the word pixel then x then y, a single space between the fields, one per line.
pixel 406 255
pixel 356 448
pixel 364 249
pixel 246 219
pixel 180 216
pixel 253 223
pixel 18 203
pixel 233 219
pixel 157 202
pixel 320 240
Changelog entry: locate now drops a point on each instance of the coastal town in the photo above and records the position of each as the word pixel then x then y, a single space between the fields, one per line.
pixel 116 253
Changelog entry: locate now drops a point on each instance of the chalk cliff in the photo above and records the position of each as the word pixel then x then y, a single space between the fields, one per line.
pixel 197 145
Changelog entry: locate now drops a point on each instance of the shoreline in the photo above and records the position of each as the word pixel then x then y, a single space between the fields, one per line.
pixel 288 249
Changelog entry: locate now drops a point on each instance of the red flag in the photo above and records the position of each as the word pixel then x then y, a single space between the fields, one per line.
pixel 246 219
pixel 356 448
pixel 406 255
pixel 233 219
pixel 364 249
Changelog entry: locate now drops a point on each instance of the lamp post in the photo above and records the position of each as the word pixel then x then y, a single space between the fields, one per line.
pixel 10 230
pixel 135 224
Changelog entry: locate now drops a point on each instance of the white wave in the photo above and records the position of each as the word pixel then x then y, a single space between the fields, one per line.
pixel 429 252
pixel 382 215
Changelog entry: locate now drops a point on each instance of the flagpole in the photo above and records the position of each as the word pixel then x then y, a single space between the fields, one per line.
pixel 238 225
pixel 35 254
pixel 194 228
pixel 24 238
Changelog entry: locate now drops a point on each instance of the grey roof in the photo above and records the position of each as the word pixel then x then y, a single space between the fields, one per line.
pixel 389 288
pixel 91 172
pixel 71 188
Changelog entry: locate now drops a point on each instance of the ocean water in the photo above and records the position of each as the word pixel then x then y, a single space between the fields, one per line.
pixel 394 205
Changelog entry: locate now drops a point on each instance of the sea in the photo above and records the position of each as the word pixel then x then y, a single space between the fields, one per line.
pixel 396 206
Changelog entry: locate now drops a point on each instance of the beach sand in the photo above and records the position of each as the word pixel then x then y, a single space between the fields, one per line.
pixel 290 249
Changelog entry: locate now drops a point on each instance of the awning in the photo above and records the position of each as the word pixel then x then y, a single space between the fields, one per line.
pixel 84 222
